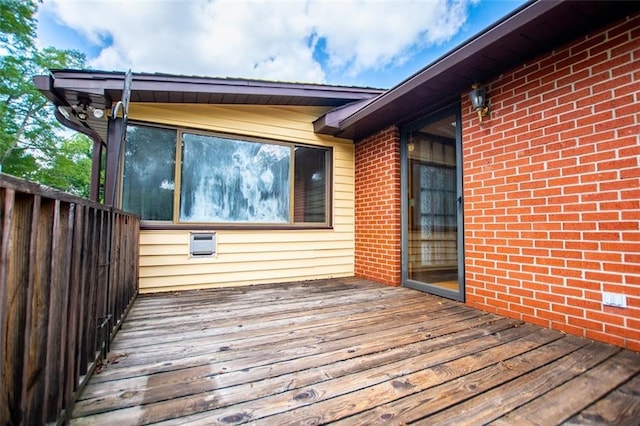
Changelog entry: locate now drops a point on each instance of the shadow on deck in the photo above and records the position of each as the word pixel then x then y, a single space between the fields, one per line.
pixel 352 352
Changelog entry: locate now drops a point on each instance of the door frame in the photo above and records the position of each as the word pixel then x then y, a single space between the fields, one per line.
pixel 404 189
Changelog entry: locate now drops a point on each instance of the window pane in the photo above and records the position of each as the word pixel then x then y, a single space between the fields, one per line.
pixel 310 187
pixel 226 180
pixel 148 175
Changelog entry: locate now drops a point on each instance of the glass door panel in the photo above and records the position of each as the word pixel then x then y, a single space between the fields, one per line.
pixel 432 239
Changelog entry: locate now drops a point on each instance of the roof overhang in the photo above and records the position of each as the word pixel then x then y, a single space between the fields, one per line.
pixel 101 89
pixel 534 29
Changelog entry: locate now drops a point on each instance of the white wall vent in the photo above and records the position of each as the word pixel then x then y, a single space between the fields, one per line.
pixel 202 245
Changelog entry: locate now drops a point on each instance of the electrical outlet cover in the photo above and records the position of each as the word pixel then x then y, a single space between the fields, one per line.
pixel 614 299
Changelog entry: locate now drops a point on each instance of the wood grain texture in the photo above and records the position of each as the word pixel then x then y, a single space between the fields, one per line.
pixel 619 407
pixel 52 287
pixel 348 351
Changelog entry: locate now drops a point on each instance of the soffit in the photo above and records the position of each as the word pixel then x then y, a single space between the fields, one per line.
pixel 103 89
pixel 536 28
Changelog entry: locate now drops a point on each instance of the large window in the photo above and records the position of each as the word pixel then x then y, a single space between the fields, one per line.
pixel 149 165
pixel 223 180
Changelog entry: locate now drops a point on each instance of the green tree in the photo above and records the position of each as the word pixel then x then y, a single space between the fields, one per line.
pixel 69 167
pixel 30 136
pixel 17 26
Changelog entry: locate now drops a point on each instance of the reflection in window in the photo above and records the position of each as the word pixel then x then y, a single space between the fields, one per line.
pixel 310 185
pixel 148 175
pixel 226 180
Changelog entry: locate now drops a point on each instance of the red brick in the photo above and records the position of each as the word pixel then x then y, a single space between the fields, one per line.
pixel 605 337
pixel 377 206
pixel 564 131
pixel 566 328
pixel 585 324
pixel 605 318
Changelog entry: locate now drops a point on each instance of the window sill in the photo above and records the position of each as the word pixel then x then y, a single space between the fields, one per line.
pixel 164 226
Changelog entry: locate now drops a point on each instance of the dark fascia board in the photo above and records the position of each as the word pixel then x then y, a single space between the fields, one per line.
pixel 449 60
pixel 452 71
pixel 44 83
pixel 329 123
pixel 102 81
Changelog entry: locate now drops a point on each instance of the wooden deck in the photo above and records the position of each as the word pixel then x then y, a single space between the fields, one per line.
pixel 351 352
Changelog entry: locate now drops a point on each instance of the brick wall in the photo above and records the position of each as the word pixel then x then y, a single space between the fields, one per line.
pixel 552 190
pixel 377 207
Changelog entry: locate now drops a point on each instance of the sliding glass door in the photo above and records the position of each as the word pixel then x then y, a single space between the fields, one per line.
pixel 432 207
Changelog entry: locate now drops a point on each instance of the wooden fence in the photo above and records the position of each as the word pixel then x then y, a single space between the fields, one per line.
pixel 68 274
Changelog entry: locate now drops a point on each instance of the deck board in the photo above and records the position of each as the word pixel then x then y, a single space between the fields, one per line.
pixel 349 351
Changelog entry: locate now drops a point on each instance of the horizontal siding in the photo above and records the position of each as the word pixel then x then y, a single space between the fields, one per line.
pixel 240 278
pixel 161 254
pixel 246 257
pixel 240 256
pixel 272 122
pixel 230 265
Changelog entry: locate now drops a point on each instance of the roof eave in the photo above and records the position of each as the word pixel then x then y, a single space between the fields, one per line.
pixel 443 81
pixel 329 123
pixel 102 81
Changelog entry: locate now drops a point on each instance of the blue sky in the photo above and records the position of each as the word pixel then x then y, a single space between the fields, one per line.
pixel 374 43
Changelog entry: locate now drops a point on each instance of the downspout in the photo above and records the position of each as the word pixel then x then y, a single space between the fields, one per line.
pixel 96 156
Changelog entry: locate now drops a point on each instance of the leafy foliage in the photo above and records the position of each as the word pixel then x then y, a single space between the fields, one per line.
pixel 32 144
pixel 69 168
pixel 17 26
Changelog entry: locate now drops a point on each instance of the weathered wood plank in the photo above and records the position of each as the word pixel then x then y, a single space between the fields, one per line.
pixel 38 322
pixel 285 375
pixel 280 396
pixel 38 327
pixel 6 214
pixel 158 318
pixel 247 374
pixel 457 385
pixel 16 239
pixel 264 353
pixel 259 293
pixel 101 332
pixel 259 306
pixel 89 290
pixel 74 313
pixel 576 394
pixel 503 399
pixel 337 355
pixel 245 327
pixel 419 385
pixel 620 407
pixel 57 321
pixel 213 320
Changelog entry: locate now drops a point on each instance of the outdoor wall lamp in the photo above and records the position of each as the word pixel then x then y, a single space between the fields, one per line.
pixel 80 110
pixel 84 106
pixel 82 114
pixel 478 97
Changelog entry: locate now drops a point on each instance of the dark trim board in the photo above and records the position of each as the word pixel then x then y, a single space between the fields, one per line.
pixel 349 351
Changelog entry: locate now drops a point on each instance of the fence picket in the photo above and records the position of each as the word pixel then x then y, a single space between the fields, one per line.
pixel 66 264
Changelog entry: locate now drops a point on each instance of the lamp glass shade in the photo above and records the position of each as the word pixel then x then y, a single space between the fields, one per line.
pixel 98 113
pixel 478 98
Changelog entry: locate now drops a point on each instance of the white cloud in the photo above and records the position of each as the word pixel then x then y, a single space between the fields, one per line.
pixel 272 39
pixel 364 34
